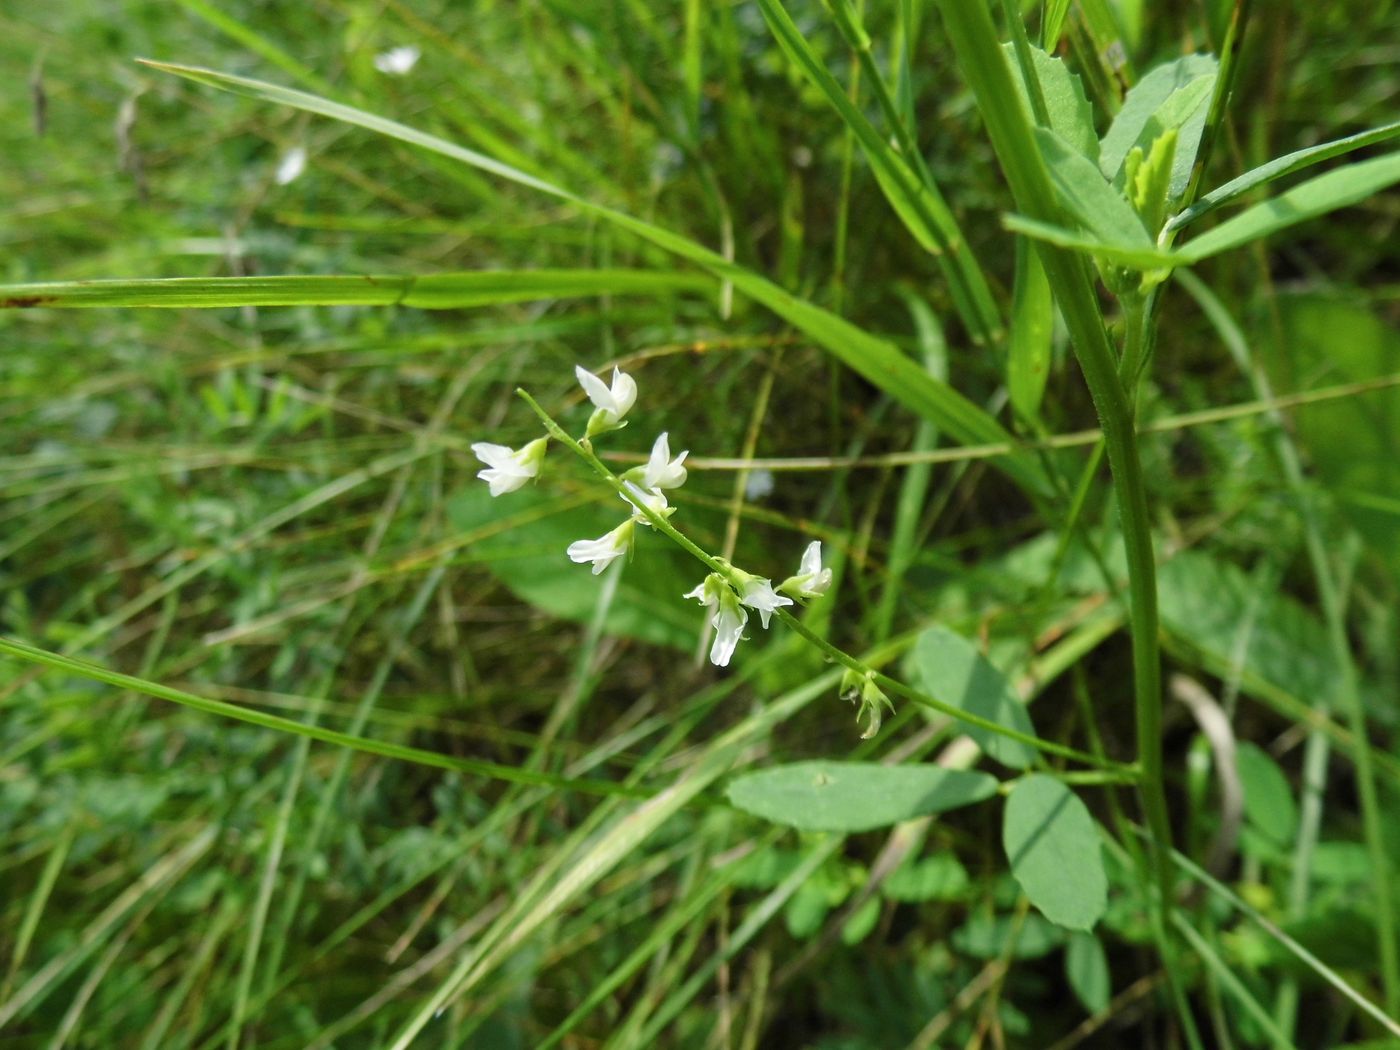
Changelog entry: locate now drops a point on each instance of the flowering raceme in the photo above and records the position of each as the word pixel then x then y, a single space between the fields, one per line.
pixel 729 593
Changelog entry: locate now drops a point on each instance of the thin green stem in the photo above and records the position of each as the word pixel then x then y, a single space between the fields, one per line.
pixel 985 67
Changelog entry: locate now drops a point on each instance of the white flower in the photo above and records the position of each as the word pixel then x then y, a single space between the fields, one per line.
pixel 759 484
pixel 727 616
pixel 663 472
pixel 611 404
pixel 397 60
pixel 292 165
pixel 605 549
pixel 811 581
pixel 508 469
pixel 757 593
pixel 653 500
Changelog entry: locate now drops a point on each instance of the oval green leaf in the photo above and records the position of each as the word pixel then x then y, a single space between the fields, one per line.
pixel 950 668
pixel 855 796
pixel 1055 852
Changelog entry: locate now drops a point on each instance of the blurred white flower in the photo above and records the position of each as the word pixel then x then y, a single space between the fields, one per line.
pixel 293 163
pixel 663 472
pixel 602 551
pixel 397 60
pixel 758 485
pixel 811 581
pixel 727 616
pixel 611 403
pixel 508 469
pixel 757 593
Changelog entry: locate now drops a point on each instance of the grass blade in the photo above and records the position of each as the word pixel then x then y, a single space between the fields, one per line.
pixel 877 360
pixel 444 291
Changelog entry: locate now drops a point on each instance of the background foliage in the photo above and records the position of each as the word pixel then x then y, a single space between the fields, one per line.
pixel 272 505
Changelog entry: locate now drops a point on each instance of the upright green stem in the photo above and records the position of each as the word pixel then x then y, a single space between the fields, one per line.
pixel 984 65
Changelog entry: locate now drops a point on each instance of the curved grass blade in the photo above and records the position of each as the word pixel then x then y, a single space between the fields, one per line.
pixel 1280 167
pixel 878 360
pixel 442 291
pixel 904 182
pixel 384 749
pixel 1308 200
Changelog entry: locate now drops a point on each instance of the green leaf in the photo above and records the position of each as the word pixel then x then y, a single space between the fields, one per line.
pixel 855 796
pixel 1086 967
pixel 521 541
pixel 1352 446
pixel 990 937
pixel 859 925
pixel 876 359
pixel 1136 258
pixel 1032 330
pixel 938 878
pixel 950 668
pixel 1055 853
pixel 443 291
pixel 1071 116
pixel 1268 799
pixel 1175 95
pixel 1278 168
pixel 1308 200
pixel 1098 206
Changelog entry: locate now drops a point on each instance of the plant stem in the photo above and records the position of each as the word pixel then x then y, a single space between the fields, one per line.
pixel 985 67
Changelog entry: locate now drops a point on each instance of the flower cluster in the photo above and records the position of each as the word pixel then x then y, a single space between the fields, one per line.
pixel 727 595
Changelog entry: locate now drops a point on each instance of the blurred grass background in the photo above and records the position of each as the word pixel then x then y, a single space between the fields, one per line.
pixel 275 507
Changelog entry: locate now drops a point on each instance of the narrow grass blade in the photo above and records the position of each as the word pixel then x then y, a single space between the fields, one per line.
pixel 444 291
pixel 1280 167
pixel 384 749
pixel 1317 196
pixel 878 360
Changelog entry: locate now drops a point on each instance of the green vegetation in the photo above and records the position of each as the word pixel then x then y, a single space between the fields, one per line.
pixel 1038 368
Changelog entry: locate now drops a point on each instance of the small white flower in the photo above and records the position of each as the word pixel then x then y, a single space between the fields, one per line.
pixel 727 616
pixel 759 484
pixel 605 549
pixel 757 593
pixel 508 469
pixel 397 60
pixel 292 165
pixel 663 472
pixel 610 403
pixel 811 581
pixel 653 500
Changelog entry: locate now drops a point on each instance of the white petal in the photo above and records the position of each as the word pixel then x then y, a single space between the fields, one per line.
pixel 396 61
pixel 293 164
pixel 663 472
pixel 759 594
pixel 729 624
pixel 624 392
pixel 502 481
pixel 602 551
pixel 498 456
pixel 811 559
pixel 653 500
pixel 596 390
